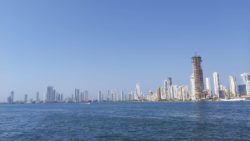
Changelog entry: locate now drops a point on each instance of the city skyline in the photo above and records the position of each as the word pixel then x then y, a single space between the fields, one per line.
pixel 105 45
pixel 198 89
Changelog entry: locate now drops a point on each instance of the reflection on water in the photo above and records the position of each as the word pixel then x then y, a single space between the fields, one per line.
pixel 200 109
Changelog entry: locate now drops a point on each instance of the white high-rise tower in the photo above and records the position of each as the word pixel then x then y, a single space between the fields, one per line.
pixel 216 84
pixel 246 79
pixel 232 86
pixel 208 86
pixel 192 87
pixel 138 93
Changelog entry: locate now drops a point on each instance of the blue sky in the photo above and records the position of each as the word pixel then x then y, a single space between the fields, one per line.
pixel 99 45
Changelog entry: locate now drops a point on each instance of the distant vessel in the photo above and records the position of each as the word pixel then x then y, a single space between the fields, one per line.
pixel 86 103
pixel 235 99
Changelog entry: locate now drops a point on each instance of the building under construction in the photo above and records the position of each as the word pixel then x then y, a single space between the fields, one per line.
pixel 198 78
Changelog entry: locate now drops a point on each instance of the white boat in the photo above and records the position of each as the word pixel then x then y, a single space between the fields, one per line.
pixel 86 103
pixel 235 99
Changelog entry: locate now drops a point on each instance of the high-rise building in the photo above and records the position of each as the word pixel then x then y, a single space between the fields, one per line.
pixel 216 84
pixel 37 97
pixel 100 97
pixel 182 93
pixel 62 100
pixel 174 92
pixel 82 97
pixel 224 92
pixel 113 95
pixel 192 87
pixel 77 95
pixel 158 94
pixel 59 97
pixel 123 96
pixel 50 95
pixel 138 93
pixel 208 86
pixel 248 88
pixel 109 97
pixel 232 87
pixel 245 77
pixel 167 88
pixel 25 98
pixel 86 96
pixel 11 97
pixel 131 96
pixel 198 78
pixel 246 81
pixel 242 90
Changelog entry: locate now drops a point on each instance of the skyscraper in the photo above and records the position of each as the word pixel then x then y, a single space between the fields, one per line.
pixel 25 98
pixel 58 97
pixel 246 81
pixel 192 87
pixel 208 86
pixel 248 88
pixel 51 94
pixel 86 95
pixel 109 97
pixel 138 94
pixel 198 78
pixel 131 96
pixel 158 94
pixel 224 92
pixel 245 77
pixel 77 95
pixel 12 95
pixel 123 96
pixel 113 95
pixel 183 94
pixel 242 90
pixel 232 87
pixel 62 100
pixel 10 98
pixel 216 84
pixel 37 97
pixel 174 92
pixel 100 96
pixel 167 87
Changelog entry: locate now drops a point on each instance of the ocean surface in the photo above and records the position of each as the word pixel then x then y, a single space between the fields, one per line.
pixel 126 122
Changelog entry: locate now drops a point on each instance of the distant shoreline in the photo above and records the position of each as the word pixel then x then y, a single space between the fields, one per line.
pixel 120 102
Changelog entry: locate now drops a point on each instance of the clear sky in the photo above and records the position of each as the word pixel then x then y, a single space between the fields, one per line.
pixel 104 44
